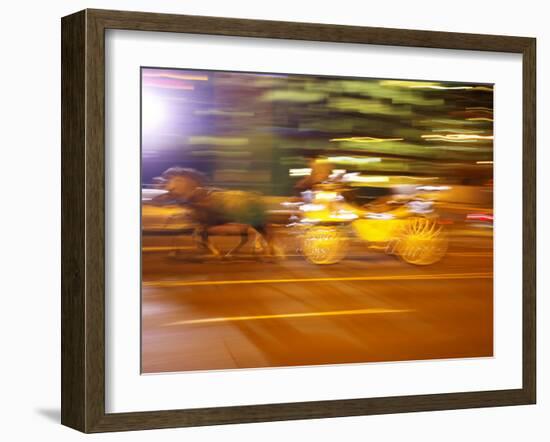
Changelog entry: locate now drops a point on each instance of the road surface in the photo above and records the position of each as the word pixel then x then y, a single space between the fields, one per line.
pixel 204 314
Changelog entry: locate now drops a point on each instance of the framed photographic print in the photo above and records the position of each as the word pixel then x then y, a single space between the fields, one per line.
pixel 268 220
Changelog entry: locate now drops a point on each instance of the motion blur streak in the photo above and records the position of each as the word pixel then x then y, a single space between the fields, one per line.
pixel 298 220
pixel 365 311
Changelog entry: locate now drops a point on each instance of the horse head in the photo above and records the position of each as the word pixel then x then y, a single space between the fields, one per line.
pixel 181 183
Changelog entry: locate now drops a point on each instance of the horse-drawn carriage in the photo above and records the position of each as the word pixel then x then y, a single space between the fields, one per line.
pixel 407 227
pixel 324 222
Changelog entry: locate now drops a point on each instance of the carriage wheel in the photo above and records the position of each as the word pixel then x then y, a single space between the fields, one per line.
pixel 325 245
pixel 422 241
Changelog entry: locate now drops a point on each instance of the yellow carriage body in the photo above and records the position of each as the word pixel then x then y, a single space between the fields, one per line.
pixel 415 238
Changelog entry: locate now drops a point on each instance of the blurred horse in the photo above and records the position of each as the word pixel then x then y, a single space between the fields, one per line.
pixel 219 211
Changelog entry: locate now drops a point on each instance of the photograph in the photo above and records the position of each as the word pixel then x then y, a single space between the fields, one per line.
pixel 303 219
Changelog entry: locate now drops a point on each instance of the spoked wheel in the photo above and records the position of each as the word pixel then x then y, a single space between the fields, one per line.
pixel 422 241
pixel 325 244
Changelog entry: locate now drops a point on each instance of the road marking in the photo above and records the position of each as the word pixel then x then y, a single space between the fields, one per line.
pixel 364 311
pixel 471 254
pixel 149 249
pixel 436 276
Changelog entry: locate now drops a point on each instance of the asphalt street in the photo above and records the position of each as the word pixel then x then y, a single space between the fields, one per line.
pixel 201 313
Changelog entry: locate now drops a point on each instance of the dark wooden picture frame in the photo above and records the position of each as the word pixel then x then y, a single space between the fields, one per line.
pixel 83 220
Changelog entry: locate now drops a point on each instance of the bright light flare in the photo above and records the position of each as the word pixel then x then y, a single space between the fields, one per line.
pixel 300 172
pixel 479 119
pixel 354 177
pixel 366 139
pixel 457 138
pixel 175 76
pixel 350 160
pixel 153 112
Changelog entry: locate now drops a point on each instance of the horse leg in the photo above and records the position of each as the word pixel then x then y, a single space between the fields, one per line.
pixel 260 244
pixel 239 246
pixel 269 247
pixel 274 249
pixel 205 241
